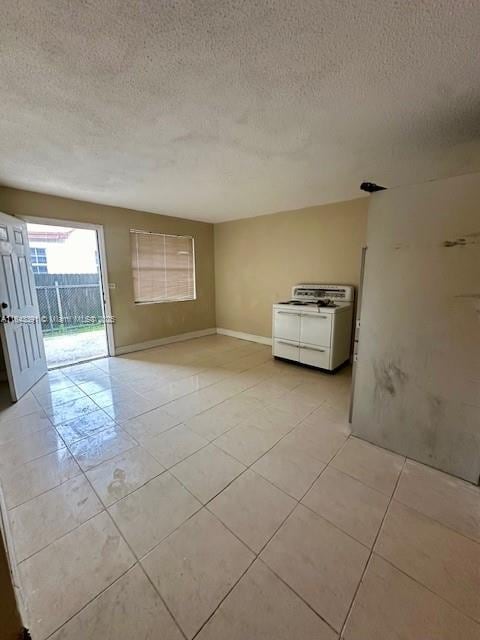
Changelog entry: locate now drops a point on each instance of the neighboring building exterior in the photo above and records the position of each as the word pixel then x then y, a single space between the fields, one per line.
pixel 62 249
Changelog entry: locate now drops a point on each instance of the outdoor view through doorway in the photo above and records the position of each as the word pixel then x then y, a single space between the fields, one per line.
pixel 66 267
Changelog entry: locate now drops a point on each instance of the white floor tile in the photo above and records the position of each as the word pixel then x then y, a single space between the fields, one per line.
pixel 371 465
pixel 252 508
pixel 195 567
pixel 42 520
pixel 129 608
pixel 451 501
pixel 37 476
pixel 66 575
pixel 116 478
pixel 261 606
pixel 246 436
pixel 390 606
pixel 207 472
pixel 319 562
pixel 151 513
pixel 349 504
pixel 437 557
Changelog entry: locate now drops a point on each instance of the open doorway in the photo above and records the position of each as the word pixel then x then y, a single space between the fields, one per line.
pixel 67 269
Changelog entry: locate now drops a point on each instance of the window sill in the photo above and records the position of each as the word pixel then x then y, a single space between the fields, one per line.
pixel 165 301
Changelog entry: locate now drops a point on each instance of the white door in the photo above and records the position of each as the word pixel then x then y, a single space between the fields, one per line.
pixel 20 327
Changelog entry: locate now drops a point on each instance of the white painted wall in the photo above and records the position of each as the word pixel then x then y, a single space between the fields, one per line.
pixel 76 254
pixel 418 373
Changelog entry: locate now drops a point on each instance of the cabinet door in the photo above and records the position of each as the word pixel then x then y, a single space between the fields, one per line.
pixel 315 356
pixel 316 329
pixel 287 325
pixel 284 349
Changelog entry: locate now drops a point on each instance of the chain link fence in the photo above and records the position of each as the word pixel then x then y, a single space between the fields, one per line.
pixel 69 302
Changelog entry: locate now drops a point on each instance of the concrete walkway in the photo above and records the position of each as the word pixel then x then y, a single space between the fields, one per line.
pixel 67 349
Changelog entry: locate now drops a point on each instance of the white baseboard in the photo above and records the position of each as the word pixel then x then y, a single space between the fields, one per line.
pixel 140 346
pixel 244 336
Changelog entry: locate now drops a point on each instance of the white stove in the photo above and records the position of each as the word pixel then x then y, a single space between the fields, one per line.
pixel 314 327
pixel 325 297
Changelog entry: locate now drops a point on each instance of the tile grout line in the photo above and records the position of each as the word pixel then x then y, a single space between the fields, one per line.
pixel 71 531
pixel 89 602
pixel 136 562
pixel 256 555
pixel 65 533
pixel 439 522
pixel 300 597
pixel 116 424
pixel 204 506
pixel 368 486
pixel 423 515
pixel 427 588
pixel 247 467
pixel 362 576
pixel 205 622
pixel 42 493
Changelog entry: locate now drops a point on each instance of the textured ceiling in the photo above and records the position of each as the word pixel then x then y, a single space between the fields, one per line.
pixel 227 109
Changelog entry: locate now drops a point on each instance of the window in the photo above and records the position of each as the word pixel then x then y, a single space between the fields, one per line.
pixel 38 257
pixel 163 267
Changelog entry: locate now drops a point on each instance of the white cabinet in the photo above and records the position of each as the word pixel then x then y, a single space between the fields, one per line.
pixel 311 337
pixel 287 350
pixel 316 329
pixel 314 356
pixel 287 325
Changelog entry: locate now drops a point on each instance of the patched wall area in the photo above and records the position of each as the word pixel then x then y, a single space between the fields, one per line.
pixel 418 373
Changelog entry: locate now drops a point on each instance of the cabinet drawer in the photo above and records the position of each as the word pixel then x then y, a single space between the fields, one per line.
pixel 286 325
pixel 315 356
pixel 283 349
pixel 316 329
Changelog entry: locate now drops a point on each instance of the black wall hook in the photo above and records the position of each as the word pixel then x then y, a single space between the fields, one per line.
pixel 371 187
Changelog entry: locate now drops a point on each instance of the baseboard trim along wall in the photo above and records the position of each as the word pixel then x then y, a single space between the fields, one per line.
pixel 244 336
pixel 140 346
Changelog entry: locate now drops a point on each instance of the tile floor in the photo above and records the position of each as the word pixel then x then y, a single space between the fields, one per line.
pixel 204 490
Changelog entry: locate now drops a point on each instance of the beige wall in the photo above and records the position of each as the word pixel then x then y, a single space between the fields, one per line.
pixel 257 260
pixel 134 323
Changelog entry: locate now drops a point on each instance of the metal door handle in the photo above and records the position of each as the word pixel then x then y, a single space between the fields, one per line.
pixel 288 313
pixel 313 348
pixel 315 315
pixel 289 344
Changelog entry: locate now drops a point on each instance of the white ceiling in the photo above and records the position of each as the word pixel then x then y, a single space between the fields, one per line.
pixel 217 110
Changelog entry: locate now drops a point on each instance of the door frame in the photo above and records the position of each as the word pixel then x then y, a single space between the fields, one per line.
pixel 102 258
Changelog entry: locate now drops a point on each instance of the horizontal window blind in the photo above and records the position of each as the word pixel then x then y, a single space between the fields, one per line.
pixel 163 267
